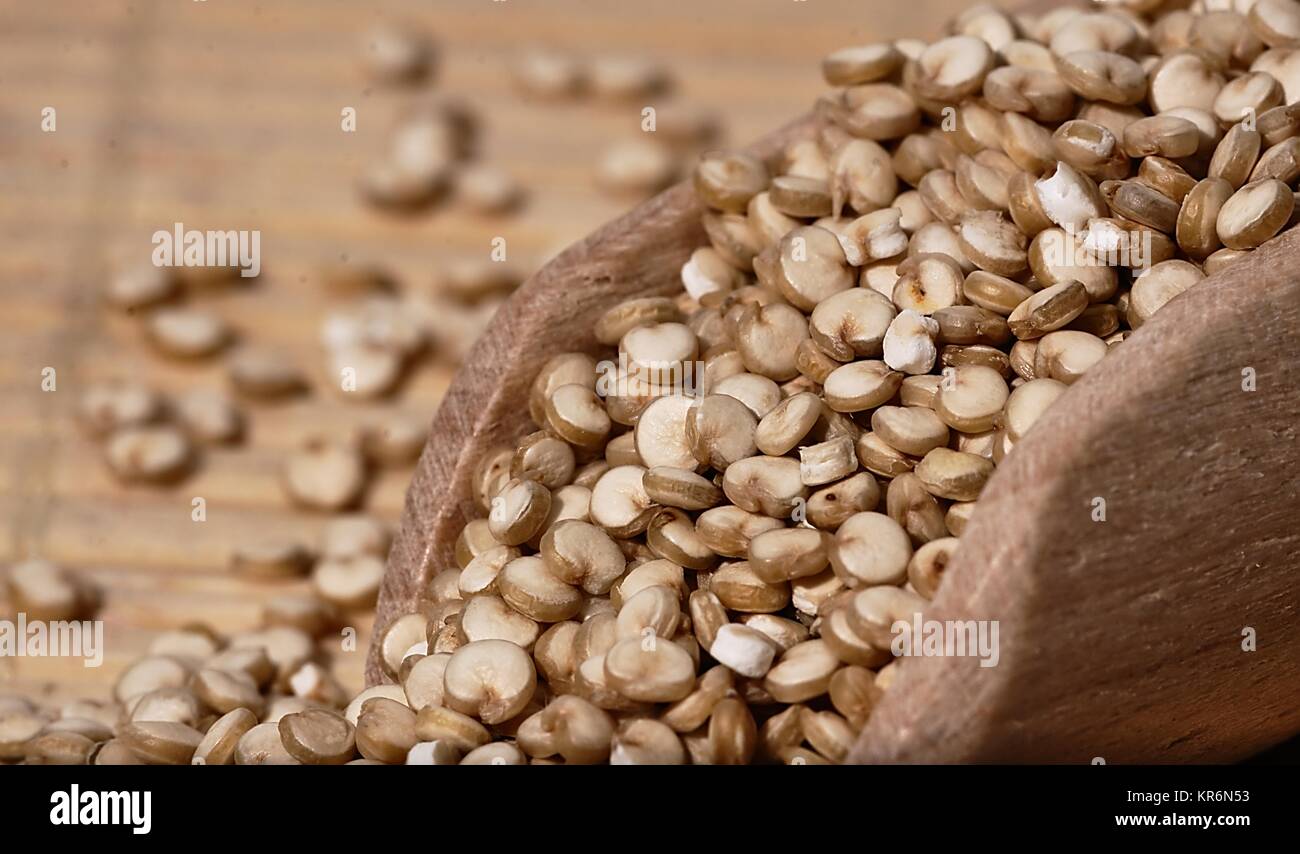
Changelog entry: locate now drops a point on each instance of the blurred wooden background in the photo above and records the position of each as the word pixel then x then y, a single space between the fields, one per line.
pixel 225 114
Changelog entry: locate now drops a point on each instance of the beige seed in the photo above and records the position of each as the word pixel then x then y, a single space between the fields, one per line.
pixel 650 671
pixel 727 530
pixel 929 563
pixel 827 461
pixel 852 324
pixel 911 430
pixel 46 592
pixel 870 548
pixel 875 236
pixel 456 729
pixel 879 457
pixel 146 454
pixel 1250 94
pixel 222 738
pixel 108 406
pixel 672 535
pixel 1255 213
pixel 518 511
pixel 1157 286
pixel 1027 403
pixel 673 487
pixel 636 166
pixel 570 727
pixel 873 612
pixel 1281 122
pixel 397 54
pixel 349 583
pixel 140 286
pixel 912 506
pixel 262 745
pixel 385 730
pixel 209 416
pixel 802 673
pixel 800 196
pixel 721 430
pixel 270 557
pixel 1069 198
pixel 954 475
pixel 1040 94
pixel 492 680
pixel 318 737
pixel 487 189
pixel 1183 80
pixel 1066 355
pixel 781 429
pixel 488 617
pixel 398 638
pixel 739 588
pixel 828 507
pixel 619 502
pixel 1197 228
pixel 851 66
pixel 1048 310
pixel 1098 75
pixel 784 554
pixel 732 733
pixel 908 344
pixel 762 484
pixel 812 267
pixel 767 338
pixel 970 397
pixel 958 516
pixel 870 111
pixel 548 74
pixel 423 684
pixel 1281 161
pixel 529 587
pixel 577 415
pixel 1164 136
pixel 186 333
pixel 652 610
pixel 161 742
pixel 325 475
pixel 860 386
pixel 953 68
pixel 582 554
pixel 727 181
pixel 1276 23
pixel 225 691
pixel 646 742
pixel 744 650
pixel 306 612
pixel 264 374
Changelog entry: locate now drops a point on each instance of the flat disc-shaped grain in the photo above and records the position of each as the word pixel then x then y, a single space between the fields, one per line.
pixel 650 670
pixel 318 737
pixel 661 434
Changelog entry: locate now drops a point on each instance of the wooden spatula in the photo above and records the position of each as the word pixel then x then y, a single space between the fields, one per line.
pixel 1140 549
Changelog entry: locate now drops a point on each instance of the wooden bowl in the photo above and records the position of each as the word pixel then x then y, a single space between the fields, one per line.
pixel 1127 639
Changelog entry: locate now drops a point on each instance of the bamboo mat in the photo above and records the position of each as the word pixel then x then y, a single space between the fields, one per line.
pixel 225 114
